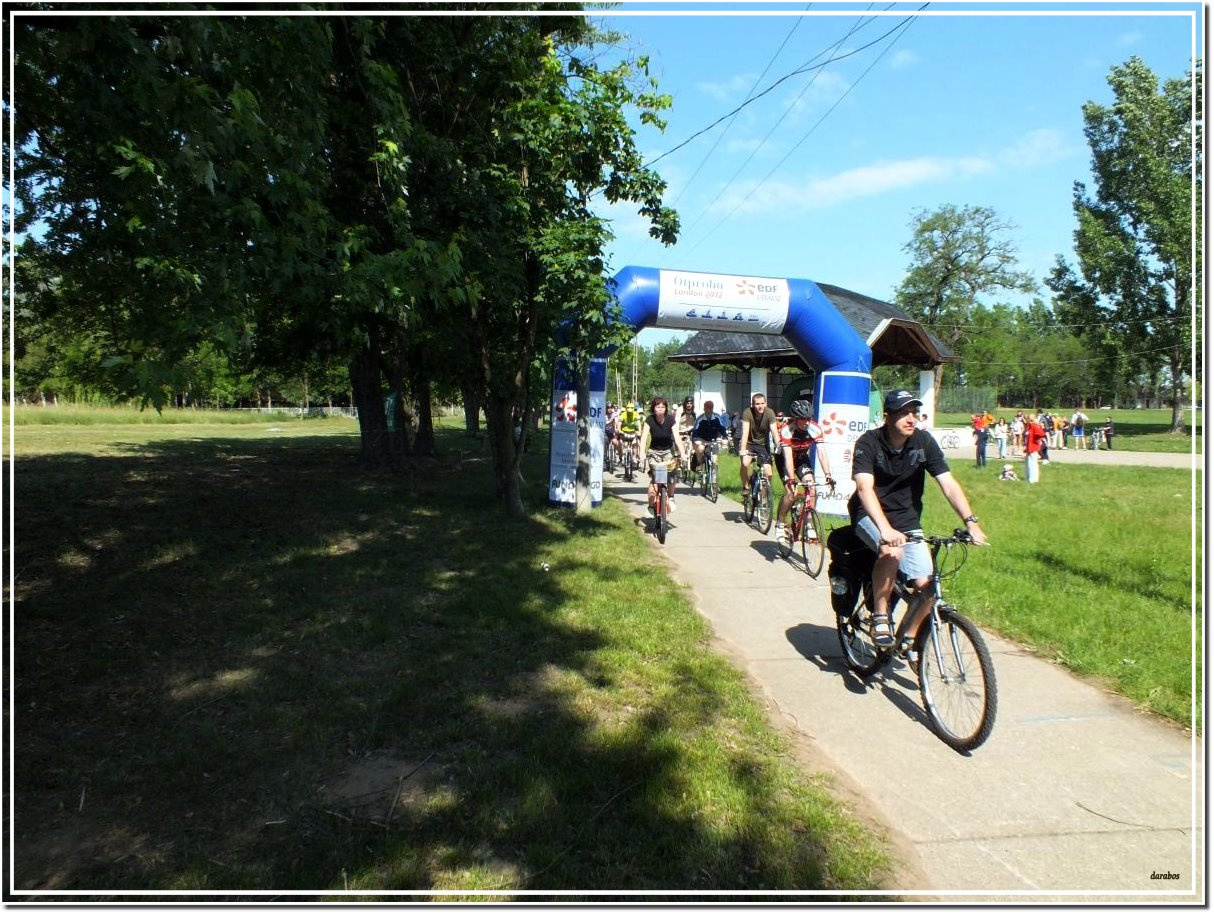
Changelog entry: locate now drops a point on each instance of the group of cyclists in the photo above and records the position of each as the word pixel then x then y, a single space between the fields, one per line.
pixel 889 467
pixel 663 437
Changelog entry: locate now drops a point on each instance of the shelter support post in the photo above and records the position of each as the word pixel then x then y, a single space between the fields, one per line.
pixel 927 393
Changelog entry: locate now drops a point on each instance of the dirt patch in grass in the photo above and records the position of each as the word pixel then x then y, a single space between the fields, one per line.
pixel 377 788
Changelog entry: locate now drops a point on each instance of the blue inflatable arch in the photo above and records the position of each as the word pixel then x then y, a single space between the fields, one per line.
pixel 793 308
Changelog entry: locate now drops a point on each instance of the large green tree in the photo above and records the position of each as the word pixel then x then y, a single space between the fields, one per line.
pixel 959 255
pixel 1136 241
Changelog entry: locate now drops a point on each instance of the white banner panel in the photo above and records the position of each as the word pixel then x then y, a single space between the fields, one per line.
pixel 714 301
pixel 842 425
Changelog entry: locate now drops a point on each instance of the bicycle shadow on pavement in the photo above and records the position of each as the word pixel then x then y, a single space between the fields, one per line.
pixel 819 644
pixel 768 548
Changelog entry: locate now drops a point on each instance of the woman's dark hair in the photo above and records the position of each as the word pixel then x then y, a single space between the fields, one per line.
pixel 655 401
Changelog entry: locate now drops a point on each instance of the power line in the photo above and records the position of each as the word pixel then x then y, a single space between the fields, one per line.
pixel 758 79
pixel 1083 361
pixel 855 28
pixel 782 79
pixel 905 24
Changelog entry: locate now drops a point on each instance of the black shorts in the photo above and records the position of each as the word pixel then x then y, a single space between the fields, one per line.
pixel 760 452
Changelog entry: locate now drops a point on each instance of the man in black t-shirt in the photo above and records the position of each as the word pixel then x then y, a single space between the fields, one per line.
pixel 889 466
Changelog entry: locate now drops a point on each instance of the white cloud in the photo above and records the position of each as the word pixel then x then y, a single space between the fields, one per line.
pixel 902 59
pixel 730 89
pixel 1038 147
pixel 1128 38
pixel 865 181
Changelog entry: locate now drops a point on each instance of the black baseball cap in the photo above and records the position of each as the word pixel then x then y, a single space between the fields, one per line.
pixel 897 400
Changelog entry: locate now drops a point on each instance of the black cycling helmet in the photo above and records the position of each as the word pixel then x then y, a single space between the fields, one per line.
pixel 801 409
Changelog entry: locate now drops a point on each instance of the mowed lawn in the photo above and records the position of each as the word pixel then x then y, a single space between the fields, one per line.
pixel 242 664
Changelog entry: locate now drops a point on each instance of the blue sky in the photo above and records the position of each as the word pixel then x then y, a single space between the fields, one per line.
pixel 972 104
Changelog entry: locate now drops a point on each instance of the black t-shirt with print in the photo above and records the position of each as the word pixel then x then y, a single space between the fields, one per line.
pixel 898 475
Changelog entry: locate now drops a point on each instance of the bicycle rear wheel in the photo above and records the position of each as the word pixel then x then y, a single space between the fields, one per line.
pixel 957 681
pixel 763 505
pixel 860 653
pixel 813 543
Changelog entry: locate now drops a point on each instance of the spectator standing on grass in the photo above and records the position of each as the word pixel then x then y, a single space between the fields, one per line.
pixel 1078 421
pixel 1034 435
pixel 982 434
pixel 1018 433
pixel 999 433
pixel 1108 432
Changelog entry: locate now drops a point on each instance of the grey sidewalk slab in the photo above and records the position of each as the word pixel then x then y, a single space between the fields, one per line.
pixel 1077 797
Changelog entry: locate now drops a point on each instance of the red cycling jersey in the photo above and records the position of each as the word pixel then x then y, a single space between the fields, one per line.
pixel 800 440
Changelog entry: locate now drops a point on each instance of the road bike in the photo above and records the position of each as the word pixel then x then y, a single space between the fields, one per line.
pixel 756 500
pixel 630 456
pixel 661 500
pixel 707 472
pixel 948 654
pixel 805 529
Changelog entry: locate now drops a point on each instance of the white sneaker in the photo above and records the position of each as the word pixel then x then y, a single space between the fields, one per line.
pixel 781 533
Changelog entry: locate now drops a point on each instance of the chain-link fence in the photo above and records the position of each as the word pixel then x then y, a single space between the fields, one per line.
pixel 965 399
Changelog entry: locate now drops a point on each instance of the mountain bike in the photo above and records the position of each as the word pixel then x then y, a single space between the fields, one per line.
pixel 948 654
pixel 609 456
pixel 756 500
pixel 710 484
pixel 805 528
pixel 630 456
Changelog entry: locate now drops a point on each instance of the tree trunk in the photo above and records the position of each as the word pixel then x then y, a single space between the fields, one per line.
pixel 499 421
pixel 472 410
pixel 376 448
pixel 1178 426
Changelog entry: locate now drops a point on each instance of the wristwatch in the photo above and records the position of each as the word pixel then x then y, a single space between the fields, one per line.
pixel 972 519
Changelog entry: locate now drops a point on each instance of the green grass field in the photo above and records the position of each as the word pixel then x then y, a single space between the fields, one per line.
pixel 240 663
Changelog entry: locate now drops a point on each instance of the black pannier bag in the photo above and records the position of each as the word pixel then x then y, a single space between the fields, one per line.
pixel 851 563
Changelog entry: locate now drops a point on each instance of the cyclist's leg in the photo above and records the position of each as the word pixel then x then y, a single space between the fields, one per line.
pixel 916 566
pixel 885 570
pixel 745 471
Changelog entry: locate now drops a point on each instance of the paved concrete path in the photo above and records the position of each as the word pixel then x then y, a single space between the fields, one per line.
pixel 1076 797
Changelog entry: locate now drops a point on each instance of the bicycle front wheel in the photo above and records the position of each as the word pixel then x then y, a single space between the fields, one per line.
pixel 813 543
pixel 749 497
pixel 763 506
pixel 714 486
pixel 659 515
pixel 628 465
pixel 957 681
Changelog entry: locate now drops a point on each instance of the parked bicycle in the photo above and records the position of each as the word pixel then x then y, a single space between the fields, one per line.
pixel 950 439
pixel 708 470
pixel 948 654
pixel 756 500
pixel 805 529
